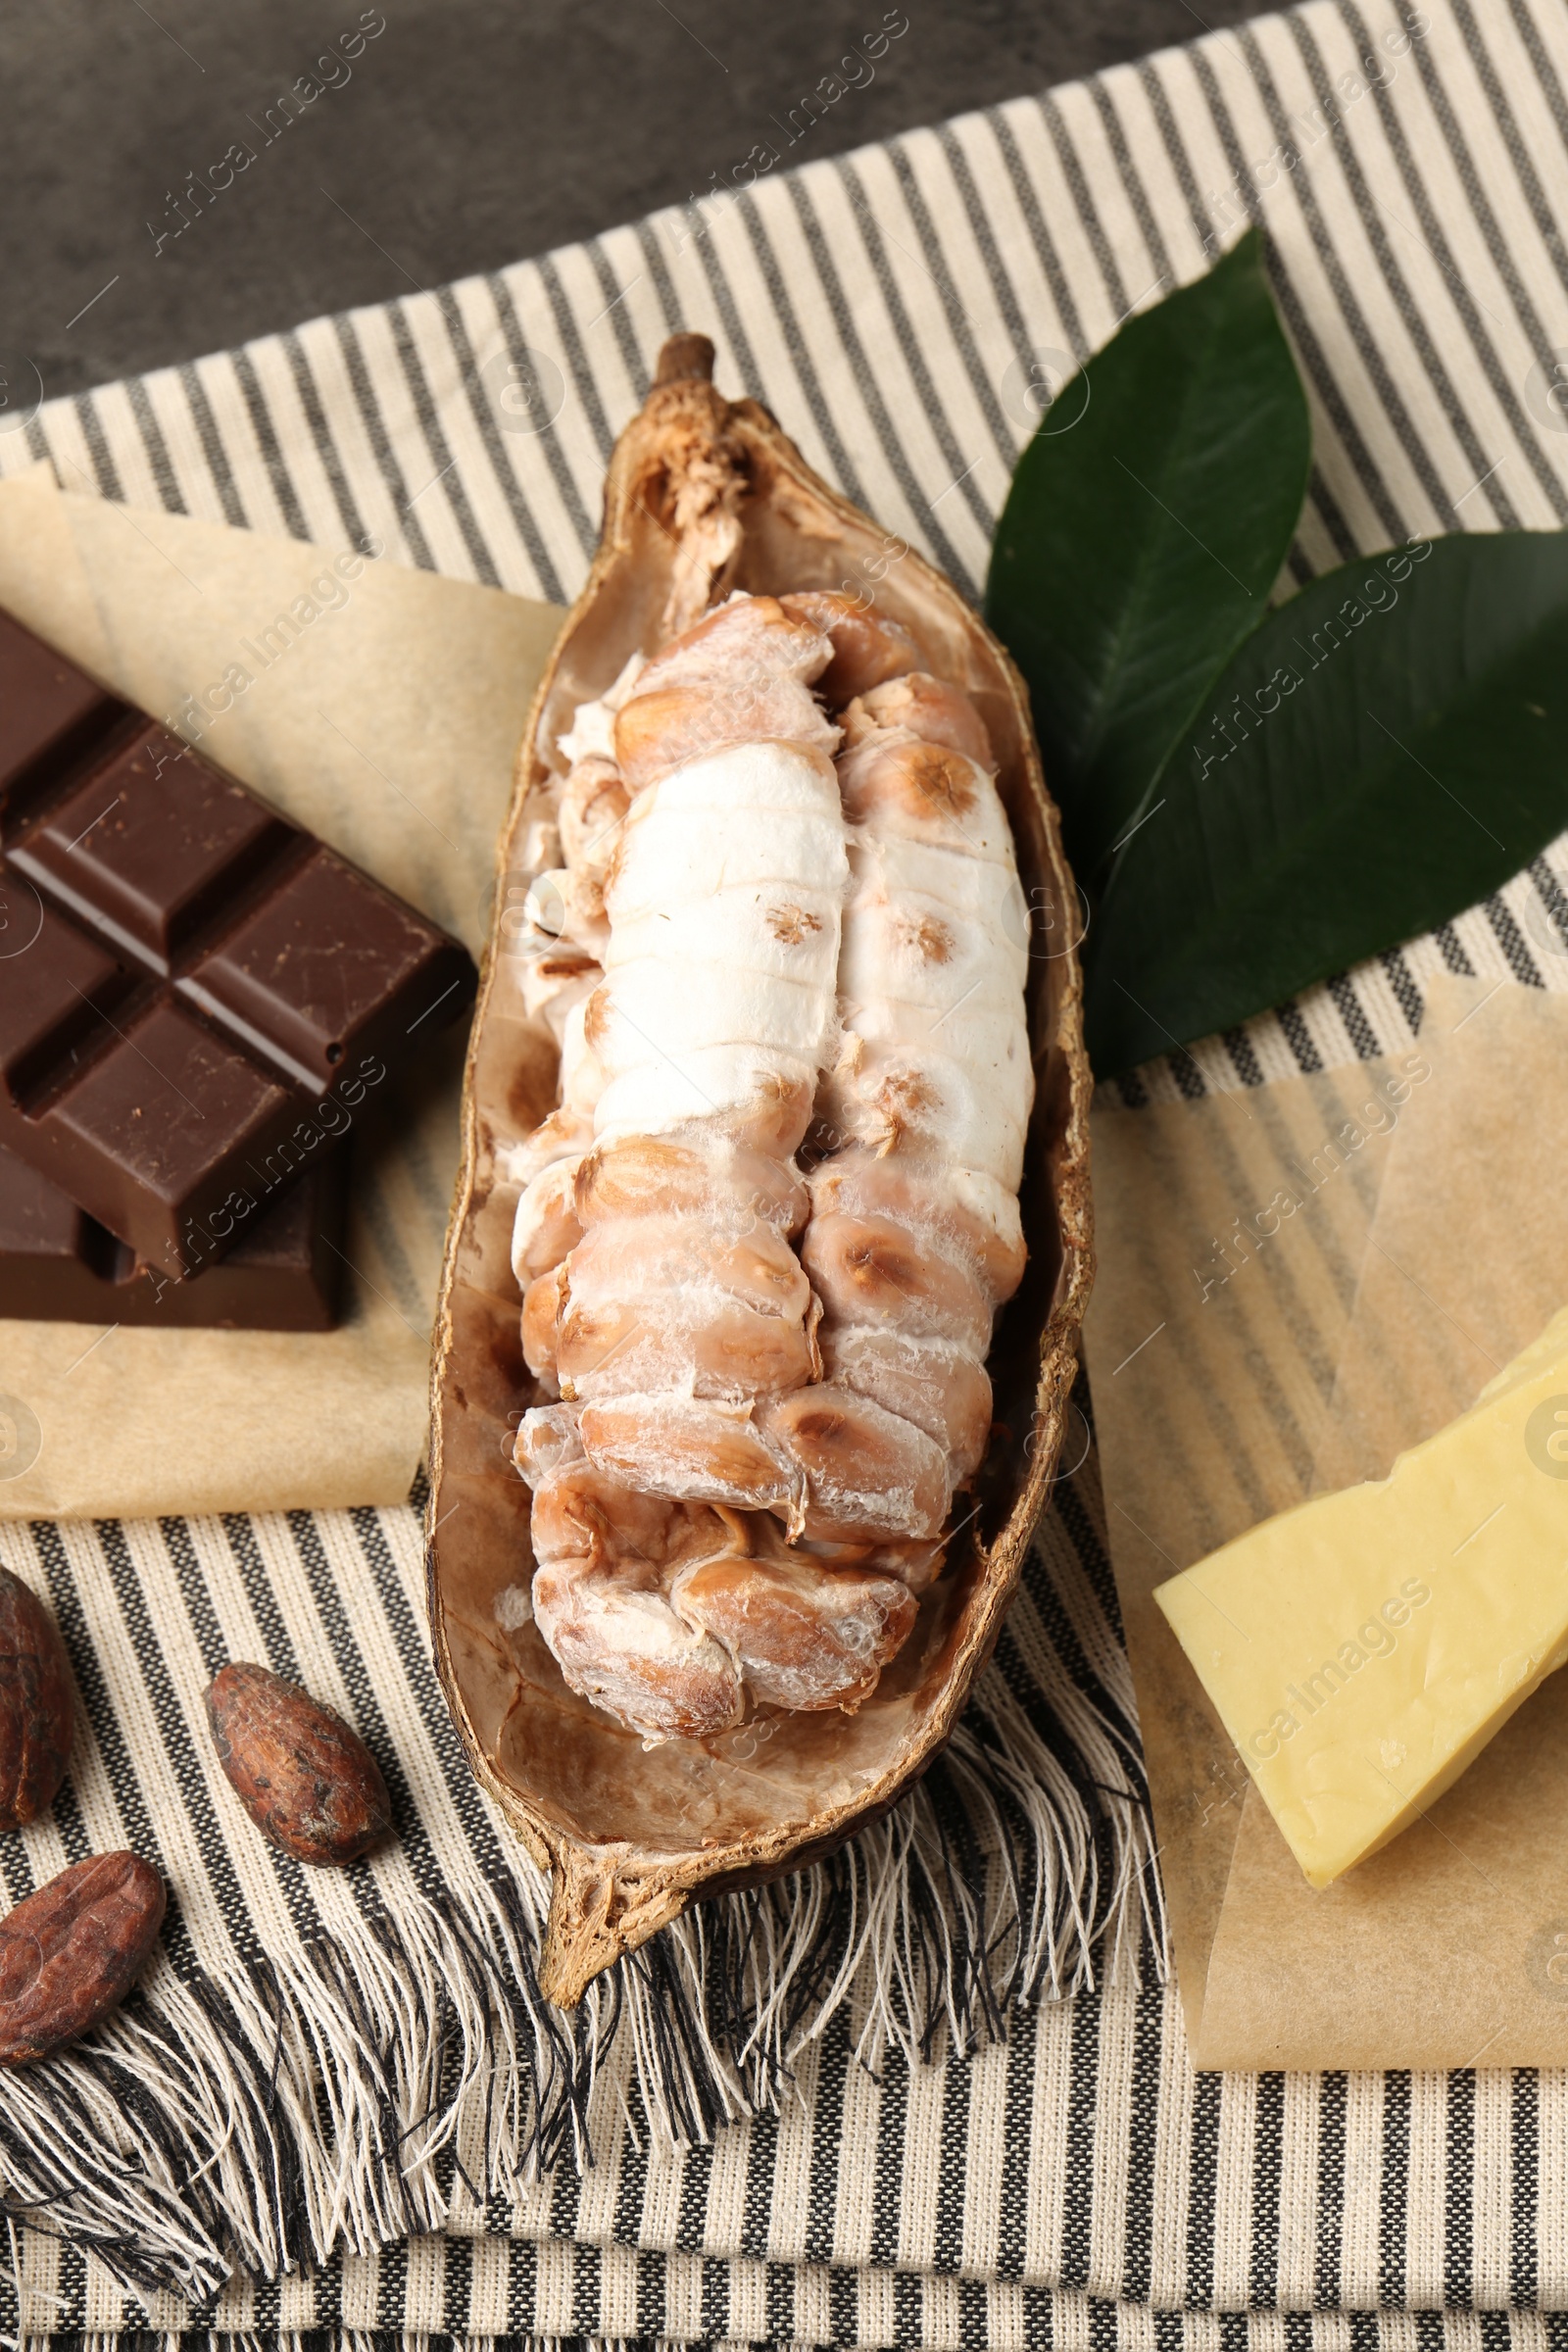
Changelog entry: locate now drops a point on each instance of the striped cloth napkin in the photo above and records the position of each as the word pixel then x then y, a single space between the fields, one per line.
pixel 211 2170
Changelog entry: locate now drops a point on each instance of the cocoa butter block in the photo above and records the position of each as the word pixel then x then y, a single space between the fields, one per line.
pixel 58 1265
pixel 193 991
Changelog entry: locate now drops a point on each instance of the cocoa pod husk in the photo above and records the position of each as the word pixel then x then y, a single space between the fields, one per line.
pixel 705 495
pixel 303 1776
pixel 70 1952
pixel 37 1705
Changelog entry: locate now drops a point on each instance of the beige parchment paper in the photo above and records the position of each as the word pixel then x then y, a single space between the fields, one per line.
pixel 1419 1257
pixel 381 707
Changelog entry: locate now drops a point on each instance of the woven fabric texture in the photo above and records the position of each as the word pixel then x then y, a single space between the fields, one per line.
pixel 1075 2182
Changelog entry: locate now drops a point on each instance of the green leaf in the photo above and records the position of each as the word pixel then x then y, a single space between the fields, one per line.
pixel 1143 534
pixel 1388 747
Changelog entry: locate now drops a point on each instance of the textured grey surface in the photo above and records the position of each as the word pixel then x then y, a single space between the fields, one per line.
pixel 465 134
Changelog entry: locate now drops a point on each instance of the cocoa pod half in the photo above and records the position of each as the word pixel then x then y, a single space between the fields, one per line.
pixel 70 1952
pixel 306 1779
pixel 36 1705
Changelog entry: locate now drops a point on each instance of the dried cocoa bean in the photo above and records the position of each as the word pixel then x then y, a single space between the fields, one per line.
pixel 73 1950
pixel 306 1779
pixel 36 1705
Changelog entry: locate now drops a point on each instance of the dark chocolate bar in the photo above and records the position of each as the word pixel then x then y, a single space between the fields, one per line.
pixel 195 994
pixel 284 1274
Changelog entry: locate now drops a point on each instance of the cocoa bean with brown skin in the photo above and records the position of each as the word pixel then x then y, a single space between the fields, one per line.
pixel 37 1707
pixel 306 1779
pixel 73 1950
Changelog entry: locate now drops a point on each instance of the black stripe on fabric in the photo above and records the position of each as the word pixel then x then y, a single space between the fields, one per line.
pixel 1328 2286
pixel 1092 1559
pixel 1175 146
pixel 1309 348
pixel 974 2316
pixel 695 2180
pixel 1078 2152
pixel 1523 2207
pixel 582 375
pixel 1131 180
pixel 267 441
pixel 866 379
pixel 307 392
pixel 1300 2331
pixel 189 1774
pixel 1528 32
pixel 827 2140
pixel 1298 1038
pixel 1243 1060
pixel 1431 2331
pixel 457 2286
pixel 908 2309
pixel 1085 205
pixel 369 407
pixel 1511 940
pixel 1402 981
pixel 565 2200
pixel 844 2305
pixel 716 2299
pixel 1202 2178
pixel 1553 898
pixel 1394 2197
pixel 1507 398
pixel 1453 952
pixel 1268 2150
pixel 954 457
pixel 947 2241
pixel 85 409
pixel 1234 2330
pixel 446 476
pixel 587 2286
pixel 1332 516
pixel 619 308
pixel 1171 2331
pixel 843 465
pixel 1352 1012
pixel 523 2286
pixel 659 276
pixel 1412 316
pixel 1013 2217
pixel 631 2186
pixel 886 2171
pixel 40 448
pixel 1143 2137
pixel 757 2198
pixel 1491 81
pixel 392 2284
pixel 159 460
pixel 1459 2173
pixel 199 403
pixel 1186 1076
pixel 960 327
pixel 1039 236
pixel 1365 2330
pixel 529 525
pixel 780 2303
pixel 267 2300
pixel 1003 290
pixel 124 1782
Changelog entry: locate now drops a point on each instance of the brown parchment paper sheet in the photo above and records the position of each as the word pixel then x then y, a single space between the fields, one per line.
pixel 1419 1257
pixel 382 711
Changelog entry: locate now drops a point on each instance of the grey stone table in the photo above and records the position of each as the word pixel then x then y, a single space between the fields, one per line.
pixel 184 176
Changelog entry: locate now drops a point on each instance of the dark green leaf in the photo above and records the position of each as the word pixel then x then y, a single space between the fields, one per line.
pixel 1143 535
pixel 1388 748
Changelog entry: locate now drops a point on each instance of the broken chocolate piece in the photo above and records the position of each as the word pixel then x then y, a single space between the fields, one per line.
pixel 57 1265
pixel 195 994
